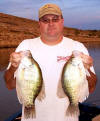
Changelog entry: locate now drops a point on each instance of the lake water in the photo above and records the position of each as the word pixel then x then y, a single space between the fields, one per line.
pixel 9 103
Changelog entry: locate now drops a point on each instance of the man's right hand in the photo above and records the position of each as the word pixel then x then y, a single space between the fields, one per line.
pixel 15 58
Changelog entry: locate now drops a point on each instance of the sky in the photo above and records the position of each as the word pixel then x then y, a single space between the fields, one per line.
pixel 80 14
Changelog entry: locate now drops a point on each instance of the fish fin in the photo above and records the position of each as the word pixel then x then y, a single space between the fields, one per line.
pixel 83 91
pixel 60 91
pixel 19 94
pixel 29 112
pixel 17 74
pixel 41 95
pixel 72 110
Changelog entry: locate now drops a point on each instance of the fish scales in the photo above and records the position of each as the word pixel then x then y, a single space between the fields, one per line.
pixel 74 83
pixel 28 83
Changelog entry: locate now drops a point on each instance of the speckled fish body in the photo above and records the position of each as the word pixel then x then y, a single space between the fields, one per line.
pixel 74 83
pixel 28 84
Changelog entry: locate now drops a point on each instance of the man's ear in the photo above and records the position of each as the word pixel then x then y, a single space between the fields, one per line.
pixel 63 21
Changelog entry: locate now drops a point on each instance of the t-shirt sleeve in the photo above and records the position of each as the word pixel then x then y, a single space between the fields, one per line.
pixel 24 45
pixel 80 47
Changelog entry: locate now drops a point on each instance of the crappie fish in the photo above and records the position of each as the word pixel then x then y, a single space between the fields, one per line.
pixel 28 83
pixel 74 83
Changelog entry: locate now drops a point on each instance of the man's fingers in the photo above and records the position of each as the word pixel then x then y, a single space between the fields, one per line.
pixel 15 65
pixel 15 58
pixel 87 60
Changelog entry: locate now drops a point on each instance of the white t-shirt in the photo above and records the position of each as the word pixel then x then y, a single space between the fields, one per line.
pixel 51 60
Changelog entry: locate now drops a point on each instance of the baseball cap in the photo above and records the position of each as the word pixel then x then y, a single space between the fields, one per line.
pixel 49 9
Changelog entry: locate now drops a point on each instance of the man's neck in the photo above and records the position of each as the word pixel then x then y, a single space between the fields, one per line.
pixel 52 41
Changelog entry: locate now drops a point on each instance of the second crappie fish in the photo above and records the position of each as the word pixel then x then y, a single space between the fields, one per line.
pixel 28 83
pixel 74 83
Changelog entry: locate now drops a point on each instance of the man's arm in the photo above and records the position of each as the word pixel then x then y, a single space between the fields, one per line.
pixel 9 78
pixel 92 79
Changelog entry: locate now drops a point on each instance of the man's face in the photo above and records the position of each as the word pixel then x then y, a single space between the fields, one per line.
pixel 51 25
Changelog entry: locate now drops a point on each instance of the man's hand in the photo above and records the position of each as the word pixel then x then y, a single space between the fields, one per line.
pixel 15 58
pixel 87 60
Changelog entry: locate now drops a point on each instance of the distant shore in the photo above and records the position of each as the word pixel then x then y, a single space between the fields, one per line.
pixel 15 29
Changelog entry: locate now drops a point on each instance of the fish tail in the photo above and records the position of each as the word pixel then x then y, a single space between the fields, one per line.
pixel 72 110
pixel 29 112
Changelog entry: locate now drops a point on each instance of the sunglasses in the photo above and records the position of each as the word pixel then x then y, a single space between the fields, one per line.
pixel 47 20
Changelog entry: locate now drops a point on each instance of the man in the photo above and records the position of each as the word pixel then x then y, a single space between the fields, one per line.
pixel 51 50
